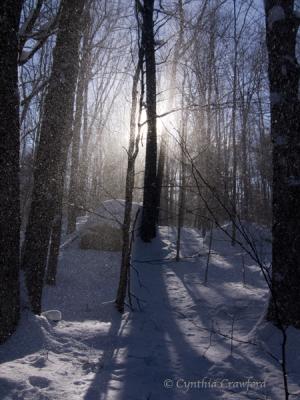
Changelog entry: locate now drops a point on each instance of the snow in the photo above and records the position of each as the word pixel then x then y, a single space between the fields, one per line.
pixel 52 315
pixel 253 238
pixel 276 13
pixel 174 345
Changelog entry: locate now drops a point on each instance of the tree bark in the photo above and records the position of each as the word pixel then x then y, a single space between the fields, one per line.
pixel 55 238
pixel 57 117
pixel 9 168
pixel 83 165
pixel 54 246
pixel 182 189
pixel 234 149
pixel 282 26
pixel 160 175
pixel 148 227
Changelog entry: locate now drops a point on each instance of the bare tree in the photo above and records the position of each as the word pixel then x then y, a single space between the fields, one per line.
pixel 148 226
pixel 132 153
pixel 282 24
pixel 56 125
pixel 234 101
pixel 9 169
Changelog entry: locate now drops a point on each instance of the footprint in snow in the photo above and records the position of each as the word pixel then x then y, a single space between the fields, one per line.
pixel 39 381
pixel 65 359
pixel 40 362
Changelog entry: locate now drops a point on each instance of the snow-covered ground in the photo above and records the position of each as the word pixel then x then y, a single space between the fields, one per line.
pixel 174 345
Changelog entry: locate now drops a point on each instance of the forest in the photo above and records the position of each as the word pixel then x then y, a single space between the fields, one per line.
pixel 149 199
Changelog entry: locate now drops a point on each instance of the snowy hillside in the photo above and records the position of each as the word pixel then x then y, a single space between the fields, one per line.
pixel 184 339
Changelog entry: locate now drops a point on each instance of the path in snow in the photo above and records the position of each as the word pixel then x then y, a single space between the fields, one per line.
pixel 95 354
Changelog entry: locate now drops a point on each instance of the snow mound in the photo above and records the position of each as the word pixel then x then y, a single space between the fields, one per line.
pixel 102 237
pixel 52 315
pixel 246 233
pixel 102 230
pixel 111 212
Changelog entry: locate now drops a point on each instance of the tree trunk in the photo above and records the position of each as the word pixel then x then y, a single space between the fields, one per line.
pixel 181 207
pixel 9 168
pixel 160 175
pixel 182 195
pixel 282 26
pixel 54 247
pixel 83 168
pixel 74 189
pixel 164 213
pixel 57 222
pixel 164 137
pixel 245 164
pixel 56 124
pixel 132 154
pixel 148 227
pixel 234 156
pixel 74 179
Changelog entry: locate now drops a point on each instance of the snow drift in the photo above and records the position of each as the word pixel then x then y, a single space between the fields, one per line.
pixel 246 233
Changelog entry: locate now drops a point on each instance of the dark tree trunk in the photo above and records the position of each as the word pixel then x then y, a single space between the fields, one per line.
pixel 57 221
pixel 282 26
pixel 71 134
pixel 234 133
pixel 182 194
pixel 9 168
pixel 57 117
pixel 160 175
pixel 148 227
pixel 164 198
pixel 54 246
pixel 244 167
pixel 172 202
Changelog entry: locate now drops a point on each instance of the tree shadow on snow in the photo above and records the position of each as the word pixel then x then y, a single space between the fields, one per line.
pixel 153 350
